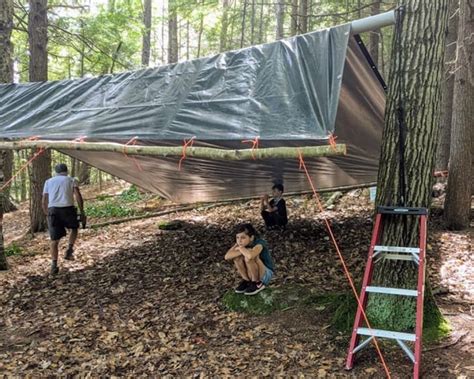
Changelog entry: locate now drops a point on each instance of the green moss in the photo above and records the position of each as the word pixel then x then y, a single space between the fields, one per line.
pixel 170 225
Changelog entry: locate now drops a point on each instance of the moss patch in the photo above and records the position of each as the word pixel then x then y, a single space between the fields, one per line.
pixel 277 299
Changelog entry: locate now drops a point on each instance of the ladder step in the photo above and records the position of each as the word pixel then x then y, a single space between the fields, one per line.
pixel 387 334
pixel 398 257
pixel 397 249
pixel 402 210
pixel 391 291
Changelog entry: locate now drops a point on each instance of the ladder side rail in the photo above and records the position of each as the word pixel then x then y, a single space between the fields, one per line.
pixel 377 232
pixel 420 298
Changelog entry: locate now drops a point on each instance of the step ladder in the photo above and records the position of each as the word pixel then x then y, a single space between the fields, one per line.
pixel 377 252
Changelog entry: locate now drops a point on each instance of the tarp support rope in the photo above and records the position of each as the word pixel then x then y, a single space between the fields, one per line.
pixel 22 168
pixel 254 143
pixel 186 144
pixel 332 141
pixel 302 165
pixel 133 141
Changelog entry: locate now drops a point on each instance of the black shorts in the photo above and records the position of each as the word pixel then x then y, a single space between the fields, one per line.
pixel 60 218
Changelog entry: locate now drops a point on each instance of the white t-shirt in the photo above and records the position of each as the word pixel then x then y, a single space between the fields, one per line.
pixel 60 190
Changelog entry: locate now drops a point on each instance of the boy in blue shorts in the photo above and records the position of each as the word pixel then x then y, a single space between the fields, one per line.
pixel 252 260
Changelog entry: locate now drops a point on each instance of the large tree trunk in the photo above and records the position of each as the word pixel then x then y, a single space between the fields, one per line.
pixel 172 32
pixel 303 16
pixel 6 76
pixel 447 89
pixel 280 19
pixel 38 71
pixel 458 196
pixel 146 43
pixel 414 85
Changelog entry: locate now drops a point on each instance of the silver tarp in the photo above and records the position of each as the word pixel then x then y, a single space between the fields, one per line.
pixel 292 92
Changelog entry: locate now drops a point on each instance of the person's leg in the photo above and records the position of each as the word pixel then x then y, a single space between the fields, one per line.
pixel 70 248
pixel 256 269
pixel 54 256
pixel 242 269
pixel 268 218
pixel 71 222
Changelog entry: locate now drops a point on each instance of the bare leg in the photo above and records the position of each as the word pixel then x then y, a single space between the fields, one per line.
pixel 72 237
pixel 241 268
pixel 255 268
pixel 54 250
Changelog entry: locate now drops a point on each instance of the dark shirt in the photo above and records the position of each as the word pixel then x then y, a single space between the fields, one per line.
pixel 264 254
pixel 281 211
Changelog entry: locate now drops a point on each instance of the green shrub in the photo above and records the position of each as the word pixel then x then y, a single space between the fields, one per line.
pixel 13 249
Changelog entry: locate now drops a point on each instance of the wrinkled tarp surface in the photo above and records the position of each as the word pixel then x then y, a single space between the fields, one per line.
pixel 292 92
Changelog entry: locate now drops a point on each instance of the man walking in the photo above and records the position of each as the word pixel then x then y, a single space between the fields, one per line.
pixel 58 205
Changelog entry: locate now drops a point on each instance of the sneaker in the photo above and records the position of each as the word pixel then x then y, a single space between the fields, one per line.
pixel 254 288
pixel 241 288
pixel 69 254
pixel 54 270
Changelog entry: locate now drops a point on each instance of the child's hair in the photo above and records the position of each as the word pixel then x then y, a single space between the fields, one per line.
pixel 279 187
pixel 247 229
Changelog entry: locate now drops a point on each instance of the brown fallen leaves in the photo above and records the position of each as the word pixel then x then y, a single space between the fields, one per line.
pixel 139 301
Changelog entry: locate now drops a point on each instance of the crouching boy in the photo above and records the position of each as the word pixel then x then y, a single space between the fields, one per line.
pixel 252 260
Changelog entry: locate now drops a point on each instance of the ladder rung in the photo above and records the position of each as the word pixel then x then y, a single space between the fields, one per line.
pixel 402 210
pixel 397 249
pixel 391 291
pixel 398 257
pixel 386 334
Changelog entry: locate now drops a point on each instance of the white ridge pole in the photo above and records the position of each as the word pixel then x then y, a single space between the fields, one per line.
pixel 373 22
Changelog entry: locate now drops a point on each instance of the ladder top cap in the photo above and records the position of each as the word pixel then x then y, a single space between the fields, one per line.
pixel 402 210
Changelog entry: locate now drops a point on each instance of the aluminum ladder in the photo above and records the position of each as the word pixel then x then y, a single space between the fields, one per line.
pixel 377 252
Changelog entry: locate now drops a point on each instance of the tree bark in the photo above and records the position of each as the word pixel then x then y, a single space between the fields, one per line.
pixel 242 31
pixel 84 173
pixel 447 92
pixel 146 42
pixel 303 16
pixel 3 258
pixel 38 71
pixel 6 76
pixel 414 85
pixel 374 35
pixel 294 18
pixel 198 152
pixel 224 26
pixel 458 194
pixel 172 32
pixel 280 19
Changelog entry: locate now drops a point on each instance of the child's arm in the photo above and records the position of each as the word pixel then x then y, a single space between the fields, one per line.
pixel 232 253
pixel 251 253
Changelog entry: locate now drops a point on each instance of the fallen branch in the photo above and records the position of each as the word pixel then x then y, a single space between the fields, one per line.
pixel 197 152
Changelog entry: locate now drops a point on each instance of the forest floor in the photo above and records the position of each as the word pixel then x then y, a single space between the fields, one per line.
pixel 139 301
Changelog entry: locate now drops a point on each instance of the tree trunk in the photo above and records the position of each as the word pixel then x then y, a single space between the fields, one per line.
pixel 38 71
pixel 303 16
pixel 252 24
pixel 6 76
pixel 201 30
pixel 447 87
pixel 294 18
pixel 224 26
pixel 260 24
pixel 84 173
pixel 458 194
pixel 3 258
pixel 146 43
pixel 374 35
pixel 172 32
pixel 280 19
pixel 417 63
pixel 242 31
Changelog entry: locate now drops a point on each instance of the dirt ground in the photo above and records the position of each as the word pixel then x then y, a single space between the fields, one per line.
pixel 141 302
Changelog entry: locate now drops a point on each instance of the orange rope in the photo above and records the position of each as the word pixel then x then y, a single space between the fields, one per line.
pixel 346 271
pixel 254 143
pixel 133 141
pixel 442 174
pixel 186 144
pixel 332 141
pixel 35 155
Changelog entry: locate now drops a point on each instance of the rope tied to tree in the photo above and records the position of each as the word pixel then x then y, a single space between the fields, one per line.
pixel 254 143
pixel 132 141
pixel 186 144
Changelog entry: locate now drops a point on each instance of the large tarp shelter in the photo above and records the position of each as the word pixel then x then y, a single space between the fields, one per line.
pixel 293 92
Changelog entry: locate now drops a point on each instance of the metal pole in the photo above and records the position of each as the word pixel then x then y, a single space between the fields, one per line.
pixel 373 22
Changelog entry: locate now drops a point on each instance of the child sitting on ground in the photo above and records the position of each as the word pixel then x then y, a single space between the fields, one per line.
pixel 274 211
pixel 252 260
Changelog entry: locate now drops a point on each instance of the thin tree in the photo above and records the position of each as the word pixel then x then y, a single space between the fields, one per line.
pixel 294 18
pixel 6 75
pixel 146 40
pixel 406 174
pixel 280 19
pixel 172 32
pixel 458 195
pixel 442 156
pixel 242 31
pixel 374 35
pixel 224 26
pixel 303 16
